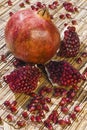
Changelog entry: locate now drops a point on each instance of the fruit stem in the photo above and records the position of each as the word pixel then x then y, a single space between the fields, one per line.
pixel 44 13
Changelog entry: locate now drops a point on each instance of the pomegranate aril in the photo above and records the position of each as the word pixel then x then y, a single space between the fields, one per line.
pixel 33 7
pixel 68 16
pixel 62 16
pixel 27 1
pixel 9 117
pixel 55 3
pixel 48 100
pixel 3 58
pixel 68 121
pixel 38 107
pixel 45 107
pixel 32 118
pixel 65 24
pixel 77 108
pixel 73 116
pixel 41 113
pixel 79 60
pixel 38 119
pixel 84 54
pixel 21 5
pixel 13 109
pixel 14 103
pixel 63 101
pixel 62 122
pixel 31 108
pixel 76 9
pixel 25 114
pixel 51 6
pixel 39 4
pixel 11 13
pixel 7 103
pixel 33 94
pixel 48 124
pixel 68 6
pixel 65 110
pixel 9 3
pixel 74 22
pixel 71 93
pixel 21 123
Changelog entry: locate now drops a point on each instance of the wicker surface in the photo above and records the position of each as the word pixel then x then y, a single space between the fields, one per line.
pixel 5 93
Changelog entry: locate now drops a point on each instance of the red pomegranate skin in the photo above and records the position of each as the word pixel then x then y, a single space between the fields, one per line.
pixel 31 38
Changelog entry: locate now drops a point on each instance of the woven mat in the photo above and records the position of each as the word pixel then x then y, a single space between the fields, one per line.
pixel 5 67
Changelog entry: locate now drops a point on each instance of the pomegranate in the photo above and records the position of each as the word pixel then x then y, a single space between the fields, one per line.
pixel 31 36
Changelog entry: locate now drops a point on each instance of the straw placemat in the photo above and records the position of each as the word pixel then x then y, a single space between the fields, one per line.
pixel 5 93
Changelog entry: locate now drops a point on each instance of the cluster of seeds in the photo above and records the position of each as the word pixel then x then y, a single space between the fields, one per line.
pixel 70 44
pixel 24 79
pixel 62 73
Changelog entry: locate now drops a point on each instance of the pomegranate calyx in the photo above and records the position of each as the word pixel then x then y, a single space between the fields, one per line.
pixel 44 13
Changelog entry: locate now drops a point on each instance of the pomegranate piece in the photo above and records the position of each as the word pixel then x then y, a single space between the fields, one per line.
pixel 38 119
pixel 39 4
pixel 27 1
pixel 21 5
pixel 55 3
pixel 71 93
pixel 45 107
pixel 63 101
pixel 76 9
pixel 9 117
pixel 24 79
pixel 62 73
pixel 14 103
pixel 3 58
pixel 68 121
pixel 70 44
pixel 9 3
pixel 41 113
pixel 48 124
pixel 48 100
pixel 65 24
pixel 77 108
pixel 21 123
pixel 68 16
pixel 25 114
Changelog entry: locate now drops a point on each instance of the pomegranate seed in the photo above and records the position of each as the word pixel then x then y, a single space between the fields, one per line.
pixel 65 24
pixel 71 93
pixel 9 117
pixel 38 107
pixel 25 114
pixel 14 103
pixel 65 110
pixel 32 118
pixel 39 4
pixel 7 103
pixel 48 125
pixel 63 101
pixel 21 5
pixel 41 113
pixel 32 94
pixel 33 7
pixel 68 16
pixel 10 13
pixel 48 100
pixel 79 60
pixel 67 120
pixel 62 16
pixel 31 108
pixel 13 109
pixel 45 107
pixel 77 109
pixel 27 1
pixel 76 9
pixel 9 2
pixel 84 54
pixel 52 6
pixel 73 116
pixel 62 122
pixel 3 58
pixel 68 6
pixel 76 88
pixel 38 119
pixel 55 3
pixel 21 123
pixel 74 22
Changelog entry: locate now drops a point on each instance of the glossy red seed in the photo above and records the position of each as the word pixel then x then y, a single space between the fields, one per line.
pixel 11 13
pixel 74 22
pixel 62 16
pixel 48 124
pixel 33 94
pixel 84 54
pixel 68 15
pixel 25 114
pixel 45 107
pixel 55 3
pixel 79 60
pixel 76 9
pixel 65 110
pixel 48 100
pixel 14 103
pixel 27 1
pixel 38 119
pixel 65 24
pixel 9 3
pixel 77 108
pixel 21 123
pixel 62 122
pixel 7 103
pixel 73 116
pixel 39 4
pixel 68 121
pixel 3 58
pixel 52 6
pixel 41 113
pixel 63 101
pixel 9 117
pixel 32 118
pixel 38 107
pixel 21 5
pixel 13 109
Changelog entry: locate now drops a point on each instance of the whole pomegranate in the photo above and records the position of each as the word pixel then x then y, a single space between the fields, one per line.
pixel 31 36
